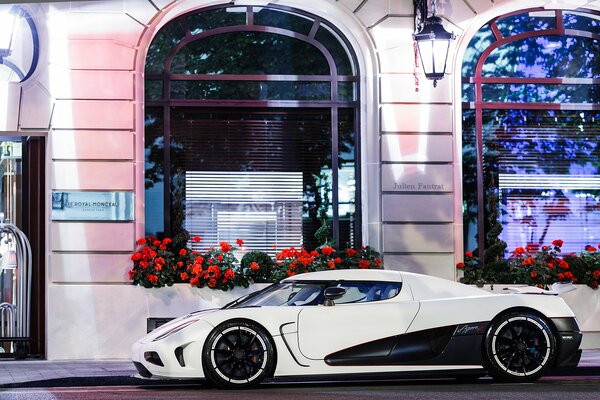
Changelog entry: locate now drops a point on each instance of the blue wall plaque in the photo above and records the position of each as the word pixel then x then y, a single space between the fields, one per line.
pixel 92 206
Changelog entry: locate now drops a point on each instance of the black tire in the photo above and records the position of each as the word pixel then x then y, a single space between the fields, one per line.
pixel 519 347
pixel 238 354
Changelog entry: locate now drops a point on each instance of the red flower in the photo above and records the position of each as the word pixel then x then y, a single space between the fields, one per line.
pixel 158 267
pixel 331 264
pixel 143 264
pixel 568 275
pixel 364 264
pixel 518 251
pixel 212 283
pixel 167 241
pixel 591 249
pixel 152 278
pixel 136 256
pixel 545 248
pixel 184 276
pixel 550 265
pixel 460 265
pixel 132 274
pixel 198 260
pixel 560 276
pixel 557 243
pixel 195 281
pixel 239 242
pixel 351 252
pixel 527 261
pixel 229 274
pixel 180 263
pixel 594 285
pixel 196 239
pixel 290 273
pixel 327 250
pixel 314 253
pixel 378 262
pixel 141 241
pixel 337 260
pixel 162 247
pixel 533 274
pixel 182 252
pixel 254 266
pixel 225 247
pixel 219 257
pixel 563 264
pixel 469 254
pixel 214 271
pixel 156 243
pixel 596 274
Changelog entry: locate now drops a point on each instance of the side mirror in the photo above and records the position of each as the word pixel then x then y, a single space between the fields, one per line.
pixel 333 293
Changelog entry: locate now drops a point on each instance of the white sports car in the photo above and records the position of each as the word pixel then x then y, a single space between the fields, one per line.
pixel 346 322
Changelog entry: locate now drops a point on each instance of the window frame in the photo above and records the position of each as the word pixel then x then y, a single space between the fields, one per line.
pixel 334 104
pixel 479 105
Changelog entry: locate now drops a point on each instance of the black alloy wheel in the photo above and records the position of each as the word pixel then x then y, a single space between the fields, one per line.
pixel 238 354
pixel 519 347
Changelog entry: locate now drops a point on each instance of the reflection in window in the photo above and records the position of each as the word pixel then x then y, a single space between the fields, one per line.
pixel 246 102
pixel 540 140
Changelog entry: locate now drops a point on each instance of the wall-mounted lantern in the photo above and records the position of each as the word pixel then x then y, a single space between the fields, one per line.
pixel 433 41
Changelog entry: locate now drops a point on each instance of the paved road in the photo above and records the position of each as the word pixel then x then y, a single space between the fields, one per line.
pixel 550 388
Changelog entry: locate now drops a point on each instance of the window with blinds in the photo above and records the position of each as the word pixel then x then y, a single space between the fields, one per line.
pixel 531 138
pixel 262 208
pixel 251 129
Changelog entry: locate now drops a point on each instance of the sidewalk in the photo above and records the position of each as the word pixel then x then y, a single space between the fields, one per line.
pixel 41 373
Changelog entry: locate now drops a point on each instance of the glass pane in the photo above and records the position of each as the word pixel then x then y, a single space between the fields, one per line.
pixel 250 53
pixel 167 38
pixel 347 179
pixel 530 93
pixel 221 153
pixel 11 190
pixel 468 92
pixel 545 173
pixel 546 57
pixel 282 19
pixel 250 90
pixel 338 51
pixel 211 19
pixel 532 21
pixel 346 91
pixel 153 90
pixel 582 22
pixel 154 170
pixel 481 41
pixel 469 157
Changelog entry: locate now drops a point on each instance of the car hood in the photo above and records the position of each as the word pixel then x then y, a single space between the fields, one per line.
pixel 177 322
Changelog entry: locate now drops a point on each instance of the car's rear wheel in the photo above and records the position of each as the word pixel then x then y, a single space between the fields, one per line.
pixel 238 354
pixel 519 347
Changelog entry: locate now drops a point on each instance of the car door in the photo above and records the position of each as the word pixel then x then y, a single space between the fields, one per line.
pixel 323 330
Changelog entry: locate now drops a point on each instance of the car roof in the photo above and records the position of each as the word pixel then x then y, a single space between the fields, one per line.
pixel 349 274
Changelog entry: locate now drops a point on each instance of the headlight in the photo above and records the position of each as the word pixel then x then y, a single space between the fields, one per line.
pixel 176 329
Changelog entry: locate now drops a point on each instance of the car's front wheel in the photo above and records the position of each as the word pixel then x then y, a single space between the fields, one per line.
pixel 238 354
pixel 519 347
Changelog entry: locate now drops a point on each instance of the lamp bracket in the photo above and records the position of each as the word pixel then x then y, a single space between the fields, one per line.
pixel 420 11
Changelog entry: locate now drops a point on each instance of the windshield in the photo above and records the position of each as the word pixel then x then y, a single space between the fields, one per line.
pixel 284 294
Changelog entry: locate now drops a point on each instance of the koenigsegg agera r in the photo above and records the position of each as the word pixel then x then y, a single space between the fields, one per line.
pixel 346 322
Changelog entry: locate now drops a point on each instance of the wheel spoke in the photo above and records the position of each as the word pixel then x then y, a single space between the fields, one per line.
pixel 227 342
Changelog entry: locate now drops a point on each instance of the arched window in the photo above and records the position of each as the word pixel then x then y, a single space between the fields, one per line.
pixel 531 133
pixel 251 129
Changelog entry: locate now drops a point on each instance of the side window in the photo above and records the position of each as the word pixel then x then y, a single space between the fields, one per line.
pixel 363 292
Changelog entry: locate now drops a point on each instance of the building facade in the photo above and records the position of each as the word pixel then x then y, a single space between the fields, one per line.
pixel 100 100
